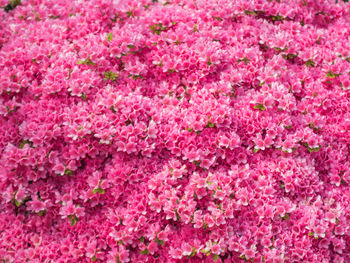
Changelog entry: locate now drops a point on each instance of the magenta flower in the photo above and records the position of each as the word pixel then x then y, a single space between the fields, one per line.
pixel 174 131
pixel 37 205
pixel 319 231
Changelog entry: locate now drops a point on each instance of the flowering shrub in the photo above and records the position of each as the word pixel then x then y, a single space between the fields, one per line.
pixel 175 131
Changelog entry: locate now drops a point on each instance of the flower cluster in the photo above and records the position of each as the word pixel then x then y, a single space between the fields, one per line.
pixel 174 131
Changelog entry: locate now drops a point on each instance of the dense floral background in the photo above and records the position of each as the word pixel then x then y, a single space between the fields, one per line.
pixel 175 131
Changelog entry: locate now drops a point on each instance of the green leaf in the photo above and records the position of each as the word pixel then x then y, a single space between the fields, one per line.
pixel 193 253
pixel 17 203
pixel 24 142
pixel 286 216
pixel 68 172
pixel 245 60
pixel 309 63
pixel 117 258
pixel 312 234
pixel 134 77
pixel 215 257
pixel 88 62
pixel 312 126
pixel 313 149
pixel 110 75
pixel 109 37
pixel 83 96
pixel 128 122
pixel 243 257
pixel 142 239
pixel 259 106
pixel 195 29
pixel 130 13
pixel 210 124
pixel 209 62
pixel 72 219
pixel 177 215
pixel 144 252
pixel 157 28
pixel 332 75
pixel 277 18
pixel 98 190
pixel 342 181
pixel 42 212
pixel 197 163
pixel 289 56
pixel 248 12
pixel 115 18
pixel 12 5
pixel 94 258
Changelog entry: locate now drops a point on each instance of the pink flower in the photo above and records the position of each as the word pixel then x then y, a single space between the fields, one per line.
pixel 339 230
pixel 20 195
pixel 187 249
pixel 312 143
pixel 330 216
pixel 287 146
pixel 59 169
pixel 319 231
pixel 152 247
pixel 175 253
pixel 67 210
pixel 123 254
pixel 249 253
pixel 36 205
pixel 215 249
pixel 174 131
